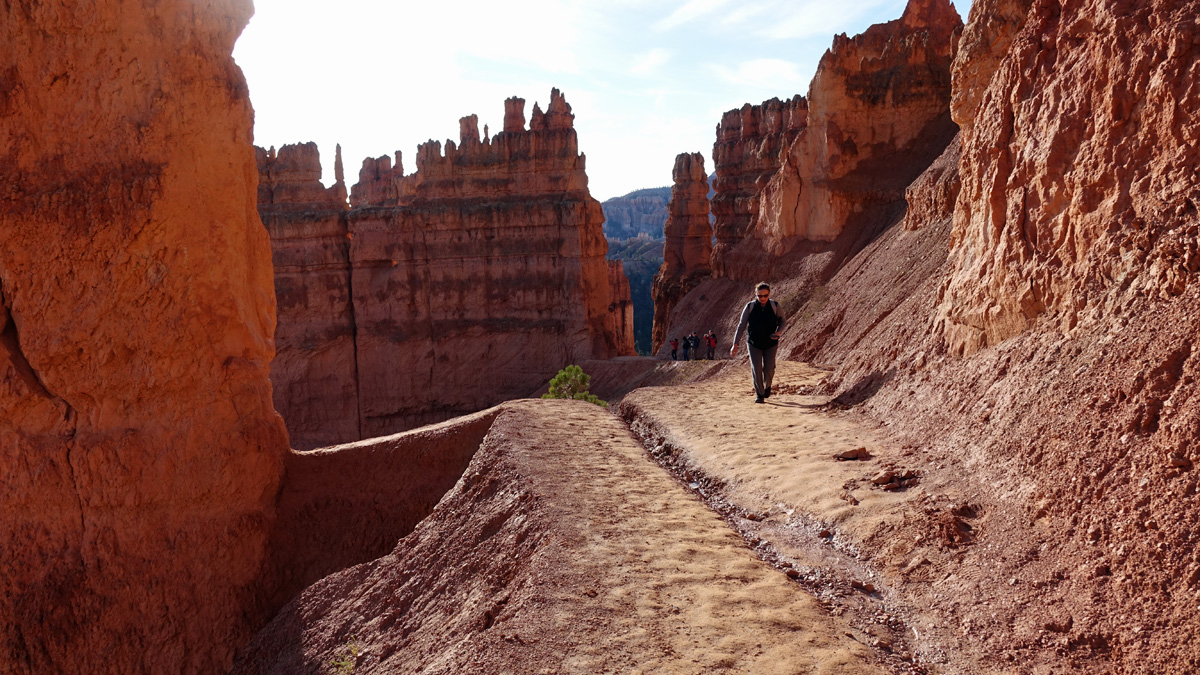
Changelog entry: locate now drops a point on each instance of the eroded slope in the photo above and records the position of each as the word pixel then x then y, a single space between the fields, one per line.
pixel 562 549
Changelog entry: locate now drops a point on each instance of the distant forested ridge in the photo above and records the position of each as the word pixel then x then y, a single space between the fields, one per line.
pixel 641 212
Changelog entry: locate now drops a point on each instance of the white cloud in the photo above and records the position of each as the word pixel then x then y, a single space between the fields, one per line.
pixel 769 74
pixel 691 11
pixel 650 62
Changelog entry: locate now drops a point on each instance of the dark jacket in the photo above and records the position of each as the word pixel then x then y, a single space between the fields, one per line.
pixel 762 321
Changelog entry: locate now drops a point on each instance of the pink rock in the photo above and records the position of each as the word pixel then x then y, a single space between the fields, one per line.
pixel 314 373
pixel 688 246
pixel 140 457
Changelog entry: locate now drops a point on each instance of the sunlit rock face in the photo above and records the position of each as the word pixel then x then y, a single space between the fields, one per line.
pixel 469 282
pixel 751 145
pixel 875 98
pixel 315 370
pixel 140 457
pixel 1078 164
pixel 688 247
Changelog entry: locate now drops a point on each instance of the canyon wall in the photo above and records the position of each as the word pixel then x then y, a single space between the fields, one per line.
pixel 315 372
pixel 140 457
pixel 803 186
pixel 1031 327
pixel 878 114
pixel 687 250
pixel 750 147
pixel 468 282
pixel 1079 159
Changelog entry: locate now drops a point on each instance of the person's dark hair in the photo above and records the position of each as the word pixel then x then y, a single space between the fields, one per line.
pixel 762 286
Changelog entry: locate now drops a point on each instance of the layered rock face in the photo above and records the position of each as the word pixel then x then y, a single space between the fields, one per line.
pixel 750 147
pixel 688 247
pixel 1079 157
pixel 139 452
pixel 470 282
pixel 315 371
pixel 878 115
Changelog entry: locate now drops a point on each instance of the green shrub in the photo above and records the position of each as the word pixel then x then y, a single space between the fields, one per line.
pixel 572 382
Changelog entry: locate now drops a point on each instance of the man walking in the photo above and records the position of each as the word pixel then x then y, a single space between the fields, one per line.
pixel 764 319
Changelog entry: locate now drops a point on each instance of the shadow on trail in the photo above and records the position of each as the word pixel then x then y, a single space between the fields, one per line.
pixel 806 406
pixel 860 391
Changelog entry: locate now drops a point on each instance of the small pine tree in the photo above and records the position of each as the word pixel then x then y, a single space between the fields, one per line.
pixel 571 382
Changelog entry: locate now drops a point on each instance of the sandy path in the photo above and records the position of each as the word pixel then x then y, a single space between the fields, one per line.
pixel 563 549
pixel 771 469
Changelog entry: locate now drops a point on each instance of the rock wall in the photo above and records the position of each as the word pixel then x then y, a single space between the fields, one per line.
pixel 1079 156
pixel 139 452
pixel 1035 334
pixel 687 250
pixel 469 282
pixel 750 148
pixel 804 186
pixel 315 372
pixel 877 116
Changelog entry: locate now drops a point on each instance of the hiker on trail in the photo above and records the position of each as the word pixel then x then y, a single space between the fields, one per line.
pixel 764 318
pixel 696 345
pixel 674 349
pixel 711 339
pixel 687 344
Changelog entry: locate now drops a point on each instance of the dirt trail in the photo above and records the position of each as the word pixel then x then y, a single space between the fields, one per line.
pixel 563 549
pixel 891 559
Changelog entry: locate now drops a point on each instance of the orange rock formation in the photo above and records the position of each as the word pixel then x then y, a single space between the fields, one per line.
pixel 473 281
pixel 139 452
pixel 315 372
pixel 688 246
pixel 803 186
pixel 876 99
pixel 750 147
pixel 1079 159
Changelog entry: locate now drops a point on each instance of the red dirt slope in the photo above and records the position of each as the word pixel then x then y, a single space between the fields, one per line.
pixel 563 549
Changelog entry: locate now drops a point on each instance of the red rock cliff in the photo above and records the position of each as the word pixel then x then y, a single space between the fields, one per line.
pixel 750 147
pixel 1078 167
pixel 878 115
pixel 688 246
pixel 139 453
pixel 314 373
pixel 481 274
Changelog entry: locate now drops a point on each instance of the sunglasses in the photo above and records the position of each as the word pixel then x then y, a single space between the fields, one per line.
pixel 764 295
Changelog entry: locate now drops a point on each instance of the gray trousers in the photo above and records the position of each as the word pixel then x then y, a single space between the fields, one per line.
pixel 762 362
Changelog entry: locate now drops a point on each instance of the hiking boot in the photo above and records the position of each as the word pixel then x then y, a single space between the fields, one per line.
pixel 758 400
pixel 767 394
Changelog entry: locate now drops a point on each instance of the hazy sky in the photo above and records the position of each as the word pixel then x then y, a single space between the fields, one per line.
pixel 647 79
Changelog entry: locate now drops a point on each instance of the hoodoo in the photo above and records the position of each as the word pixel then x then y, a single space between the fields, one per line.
pixel 469 282
pixel 688 246
pixel 140 457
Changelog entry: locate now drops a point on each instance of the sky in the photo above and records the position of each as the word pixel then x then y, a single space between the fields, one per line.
pixel 646 79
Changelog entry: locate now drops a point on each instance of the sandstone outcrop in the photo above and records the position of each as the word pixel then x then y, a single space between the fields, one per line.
pixel 139 452
pixel 315 373
pixel 1078 165
pixel 878 114
pixel 687 250
pixel 803 186
pixel 750 148
pixel 470 281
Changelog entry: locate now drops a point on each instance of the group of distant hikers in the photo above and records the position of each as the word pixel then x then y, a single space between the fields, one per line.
pixel 761 322
pixel 691 346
